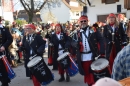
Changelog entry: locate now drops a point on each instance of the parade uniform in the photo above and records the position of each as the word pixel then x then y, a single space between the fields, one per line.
pixel 90 50
pixel 60 43
pixel 32 44
pixel 5 40
pixel 115 42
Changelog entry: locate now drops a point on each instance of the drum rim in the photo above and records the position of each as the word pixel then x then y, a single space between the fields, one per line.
pixel 59 58
pixel 29 63
pixel 95 69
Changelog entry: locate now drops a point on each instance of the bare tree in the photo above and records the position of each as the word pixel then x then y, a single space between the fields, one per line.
pixel 34 6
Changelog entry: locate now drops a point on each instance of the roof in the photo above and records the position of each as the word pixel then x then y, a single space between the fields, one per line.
pixel 73 8
pixel 22 14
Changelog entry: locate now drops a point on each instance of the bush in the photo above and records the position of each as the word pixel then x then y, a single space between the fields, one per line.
pixel 20 22
pixel 7 22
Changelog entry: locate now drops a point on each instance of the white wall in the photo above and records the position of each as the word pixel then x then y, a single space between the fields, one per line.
pixel 61 13
pixel 102 9
pixel 7 15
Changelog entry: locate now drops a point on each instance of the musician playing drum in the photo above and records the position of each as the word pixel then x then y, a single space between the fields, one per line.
pixel 5 40
pixel 60 42
pixel 115 38
pixel 87 48
pixel 32 44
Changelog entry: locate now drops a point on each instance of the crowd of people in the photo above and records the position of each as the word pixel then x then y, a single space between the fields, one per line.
pixel 77 45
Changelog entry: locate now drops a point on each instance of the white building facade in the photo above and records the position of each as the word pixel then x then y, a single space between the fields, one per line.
pixel 98 8
pixel 60 12
pixel 57 12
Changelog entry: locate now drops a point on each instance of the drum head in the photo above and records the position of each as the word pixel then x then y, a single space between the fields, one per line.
pixel 99 64
pixel 34 61
pixel 62 56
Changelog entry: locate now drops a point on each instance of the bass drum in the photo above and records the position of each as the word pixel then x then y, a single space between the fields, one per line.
pixel 40 70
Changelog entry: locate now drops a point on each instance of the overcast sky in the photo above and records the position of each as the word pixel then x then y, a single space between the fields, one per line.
pixel 17 5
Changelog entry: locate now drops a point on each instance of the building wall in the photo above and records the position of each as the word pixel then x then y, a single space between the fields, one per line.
pixel 59 14
pixel 74 15
pixel 103 9
pixel 6 15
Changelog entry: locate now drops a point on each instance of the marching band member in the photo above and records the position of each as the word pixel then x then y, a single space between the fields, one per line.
pixel 32 44
pixel 115 38
pixel 60 44
pixel 87 48
pixel 48 35
pixel 122 22
pixel 5 40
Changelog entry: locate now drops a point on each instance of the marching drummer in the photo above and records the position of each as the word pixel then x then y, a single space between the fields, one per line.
pixel 5 40
pixel 87 48
pixel 61 43
pixel 115 38
pixel 32 44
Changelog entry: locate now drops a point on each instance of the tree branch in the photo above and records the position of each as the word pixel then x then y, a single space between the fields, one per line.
pixel 27 5
pixel 32 5
pixel 24 5
pixel 42 5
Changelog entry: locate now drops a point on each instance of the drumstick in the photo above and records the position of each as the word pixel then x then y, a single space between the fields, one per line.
pixel 32 57
pixel 97 57
pixel 72 60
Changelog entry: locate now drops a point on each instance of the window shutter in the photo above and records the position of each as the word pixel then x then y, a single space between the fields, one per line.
pixel 103 1
pixel 125 4
pixel 116 0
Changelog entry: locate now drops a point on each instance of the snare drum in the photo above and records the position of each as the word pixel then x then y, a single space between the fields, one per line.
pixel 64 60
pixel 100 68
pixel 71 68
pixel 40 70
pixel 11 73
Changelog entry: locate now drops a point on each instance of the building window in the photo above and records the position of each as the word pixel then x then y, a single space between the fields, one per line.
pixel 109 1
pixel 77 14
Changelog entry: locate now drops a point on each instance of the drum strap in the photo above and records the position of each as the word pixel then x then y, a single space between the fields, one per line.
pixel 60 49
pixel 86 52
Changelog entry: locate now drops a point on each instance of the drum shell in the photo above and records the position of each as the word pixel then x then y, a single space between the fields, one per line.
pixel 42 72
pixel 100 74
pixel 65 62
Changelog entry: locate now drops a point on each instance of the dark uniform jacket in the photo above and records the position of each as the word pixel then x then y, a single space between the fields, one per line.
pixel 119 39
pixel 93 39
pixel 38 46
pixel 65 43
pixel 5 40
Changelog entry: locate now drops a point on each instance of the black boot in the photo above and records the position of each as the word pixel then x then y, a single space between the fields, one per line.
pixel 62 78
pixel 67 77
pixel 4 84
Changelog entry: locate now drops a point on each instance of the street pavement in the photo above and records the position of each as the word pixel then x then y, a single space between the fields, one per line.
pixel 22 80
